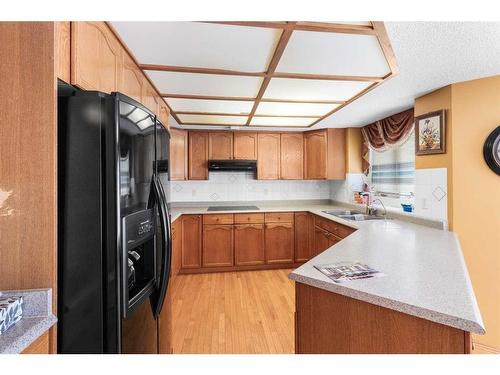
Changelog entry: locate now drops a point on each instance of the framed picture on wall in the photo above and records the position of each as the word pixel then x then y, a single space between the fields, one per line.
pixel 430 137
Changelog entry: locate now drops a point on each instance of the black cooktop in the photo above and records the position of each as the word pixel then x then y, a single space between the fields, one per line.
pixel 232 208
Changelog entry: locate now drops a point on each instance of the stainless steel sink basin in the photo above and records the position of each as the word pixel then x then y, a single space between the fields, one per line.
pixel 352 215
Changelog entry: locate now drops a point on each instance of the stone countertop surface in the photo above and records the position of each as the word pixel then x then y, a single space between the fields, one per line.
pixel 425 272
pixel 37 319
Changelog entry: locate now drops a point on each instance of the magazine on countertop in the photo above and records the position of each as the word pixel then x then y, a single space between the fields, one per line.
pixel 345 271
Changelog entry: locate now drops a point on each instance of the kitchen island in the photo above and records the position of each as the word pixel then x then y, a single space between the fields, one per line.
pixel 423 304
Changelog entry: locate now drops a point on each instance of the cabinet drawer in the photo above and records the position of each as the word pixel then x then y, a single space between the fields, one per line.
pixel 248 218
pixel 279 217
pixel 218 219
pixel 337 229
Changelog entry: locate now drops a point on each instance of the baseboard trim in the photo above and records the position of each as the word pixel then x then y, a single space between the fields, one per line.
pixel 484 349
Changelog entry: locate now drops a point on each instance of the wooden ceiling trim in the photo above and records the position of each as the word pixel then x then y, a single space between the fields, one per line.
pixel 327 77
pixel 385 44
pixel 251 99
pixel 200 70
pixel 299 101
pixel 242 114
pixel 278 52
pixel 326 27
pixel 207 97
pixel 186 69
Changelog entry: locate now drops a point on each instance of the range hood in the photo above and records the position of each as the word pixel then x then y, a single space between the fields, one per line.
pixel 232 165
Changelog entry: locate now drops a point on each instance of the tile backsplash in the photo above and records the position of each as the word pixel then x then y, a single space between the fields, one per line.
pixel 242 186
pixel 430 190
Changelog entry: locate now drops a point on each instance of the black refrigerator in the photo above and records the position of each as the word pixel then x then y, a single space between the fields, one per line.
pixel 114 237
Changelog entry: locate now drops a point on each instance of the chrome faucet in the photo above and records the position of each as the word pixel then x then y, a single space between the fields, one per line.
pixel 371 211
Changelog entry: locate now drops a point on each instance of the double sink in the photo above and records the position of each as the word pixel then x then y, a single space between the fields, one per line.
pixel 352 215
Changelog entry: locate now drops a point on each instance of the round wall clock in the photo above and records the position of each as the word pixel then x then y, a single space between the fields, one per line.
pixel 491 150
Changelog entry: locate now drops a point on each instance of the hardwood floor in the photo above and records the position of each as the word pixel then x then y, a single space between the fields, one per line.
pixel 234 312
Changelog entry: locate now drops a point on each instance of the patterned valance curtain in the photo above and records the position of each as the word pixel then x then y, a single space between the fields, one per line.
pixel 387 133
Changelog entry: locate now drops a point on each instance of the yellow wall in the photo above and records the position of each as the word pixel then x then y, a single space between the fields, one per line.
pixel 436 100
pixel 473 111
pixel 354 140
pixel 476 205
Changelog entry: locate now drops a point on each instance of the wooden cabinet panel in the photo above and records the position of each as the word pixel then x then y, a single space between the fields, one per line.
pixel 336 154
pixel 96 57
pixel 268 161
pixel 329 323
pixel 279 243
pixel 292 156
pixel 218 248
pixel 321 241
pixel 39 346
pixel 131 79
pixel 220 145
pixel 248 218
pixel 324 154
pixel 176 246
pixel 178 154
pixel 278 217
pixel 62 50
pixel 337 229
pixel 149 97
pixel 191 241
pixel 315 154
pixel 218 219
pixel 304 236
pixel 245 146
pixel 249 244
pixel 164 113
pixel 198 156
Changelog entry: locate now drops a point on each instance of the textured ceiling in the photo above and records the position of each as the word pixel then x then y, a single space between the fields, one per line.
pixel 430 55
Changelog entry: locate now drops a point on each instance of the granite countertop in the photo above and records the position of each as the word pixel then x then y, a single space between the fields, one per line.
pixel 425 272
pixel 37 319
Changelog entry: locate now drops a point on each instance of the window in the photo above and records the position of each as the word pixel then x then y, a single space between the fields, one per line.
pixel 392 173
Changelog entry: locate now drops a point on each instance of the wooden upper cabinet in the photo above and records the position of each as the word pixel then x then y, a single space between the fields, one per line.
pixel 96 57
pixel 178 154
pixel 191 241
pixel 245 146
pixel 292 156
pixel 220 145
pixel 268 162
pixel 324 154
pixel 164 114
pixel 198 156
pixel 149 97
pixel 131 79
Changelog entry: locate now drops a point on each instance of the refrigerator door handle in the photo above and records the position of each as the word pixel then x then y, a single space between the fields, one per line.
pixel 166 245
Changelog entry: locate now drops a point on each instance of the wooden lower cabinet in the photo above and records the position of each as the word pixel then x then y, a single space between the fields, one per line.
pixel 191 241
pixel 304 236
pixel 279 243
pixel 218 249
pixel 321 240
pixel 39 346
pixel 249 244
pixel 329 323
pixel 176 246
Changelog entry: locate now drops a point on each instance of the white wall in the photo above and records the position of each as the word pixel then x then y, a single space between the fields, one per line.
pixel 242 186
